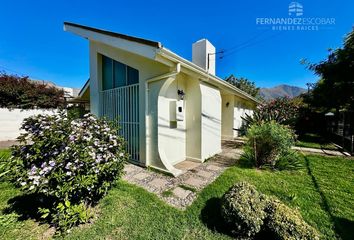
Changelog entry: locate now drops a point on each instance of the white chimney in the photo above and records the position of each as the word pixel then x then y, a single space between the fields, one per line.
pixel 203 55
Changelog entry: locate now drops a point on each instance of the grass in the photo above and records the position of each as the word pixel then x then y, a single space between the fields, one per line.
pixel 185 187
pixel 310 140
pixel 322 191
pixel 167 193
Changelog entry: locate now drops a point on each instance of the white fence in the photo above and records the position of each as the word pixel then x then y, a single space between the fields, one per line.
pixel 11 120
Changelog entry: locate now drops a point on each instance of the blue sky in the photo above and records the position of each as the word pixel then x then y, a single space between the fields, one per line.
pixel 33 42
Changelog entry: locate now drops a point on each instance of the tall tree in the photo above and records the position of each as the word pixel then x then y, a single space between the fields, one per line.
pixel 336 87
pixel 245 85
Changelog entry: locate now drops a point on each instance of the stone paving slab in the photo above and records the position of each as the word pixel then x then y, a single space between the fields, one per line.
pixel 213 167
pixel 141 175
pixel 204 174
pixel 181 193
pixel 196 175
pixel 195 182
pixel 158 183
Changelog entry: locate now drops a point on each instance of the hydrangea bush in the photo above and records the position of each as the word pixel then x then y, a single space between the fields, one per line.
pixel 75 160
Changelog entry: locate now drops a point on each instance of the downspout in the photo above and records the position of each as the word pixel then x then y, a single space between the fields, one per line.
pixel 150 80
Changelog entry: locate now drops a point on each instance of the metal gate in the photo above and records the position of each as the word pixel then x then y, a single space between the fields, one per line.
pixel 122 104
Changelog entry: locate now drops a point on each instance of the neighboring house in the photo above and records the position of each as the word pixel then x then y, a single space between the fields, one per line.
pixel 69 93
pixel 169 109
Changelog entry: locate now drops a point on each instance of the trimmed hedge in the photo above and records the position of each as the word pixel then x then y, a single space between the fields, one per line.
pixel 242 208
pixel 249 213
pixel 287 223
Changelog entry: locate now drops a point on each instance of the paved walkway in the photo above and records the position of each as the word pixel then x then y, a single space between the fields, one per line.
pixel 320 151
pixel 7 144
pixel 181 191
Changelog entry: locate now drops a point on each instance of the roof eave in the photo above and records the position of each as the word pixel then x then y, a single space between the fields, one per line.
pixel 151 43
pixel 185 63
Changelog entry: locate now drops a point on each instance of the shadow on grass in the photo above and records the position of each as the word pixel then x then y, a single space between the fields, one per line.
pixel 26 206
pixel 343 227
pixel 211 216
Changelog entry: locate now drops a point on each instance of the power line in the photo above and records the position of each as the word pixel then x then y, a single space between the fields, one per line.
pixel 255 36
pixel 250 44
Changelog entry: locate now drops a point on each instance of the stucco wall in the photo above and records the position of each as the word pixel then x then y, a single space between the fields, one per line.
pixel 11 120
pixel 241 108
pixel 147 69
pixel 211 121
pixel 171 136
pixel 227 117
pixel 193 119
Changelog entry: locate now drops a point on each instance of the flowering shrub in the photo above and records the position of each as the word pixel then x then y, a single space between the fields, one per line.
pixel 21 92
pixel 281 110
pixel 71 160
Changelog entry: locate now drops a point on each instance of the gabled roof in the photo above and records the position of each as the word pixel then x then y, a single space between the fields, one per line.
pixel 117 35
pixel 158 49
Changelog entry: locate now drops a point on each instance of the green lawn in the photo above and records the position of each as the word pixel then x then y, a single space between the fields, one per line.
pixel 311 140
pixel 323 191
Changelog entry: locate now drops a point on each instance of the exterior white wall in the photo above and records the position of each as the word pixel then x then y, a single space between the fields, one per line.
pixel 241 108
pixel 11 120
pixel 211 121
pixel 227 117
pixel 162 145
pixel 193 119
pixel 171 136
pixel 147 69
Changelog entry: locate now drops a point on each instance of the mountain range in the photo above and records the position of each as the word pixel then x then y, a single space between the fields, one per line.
pixel 281 91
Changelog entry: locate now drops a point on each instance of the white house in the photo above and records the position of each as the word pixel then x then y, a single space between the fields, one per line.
pixel 169 109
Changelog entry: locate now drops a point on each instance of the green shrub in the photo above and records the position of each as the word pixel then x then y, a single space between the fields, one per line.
pixel 242 208
pixel 75 112
pixel 287 223
pixel 268 142
pixel 67 215
pixel 289 161
pixel 73 161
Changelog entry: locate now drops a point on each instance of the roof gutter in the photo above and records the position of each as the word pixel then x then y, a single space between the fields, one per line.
pixel 193 67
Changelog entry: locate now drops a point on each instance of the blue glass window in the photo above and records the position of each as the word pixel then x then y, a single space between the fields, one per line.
pixel 116 74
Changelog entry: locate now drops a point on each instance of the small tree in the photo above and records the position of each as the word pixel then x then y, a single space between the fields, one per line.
pixel 245 85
